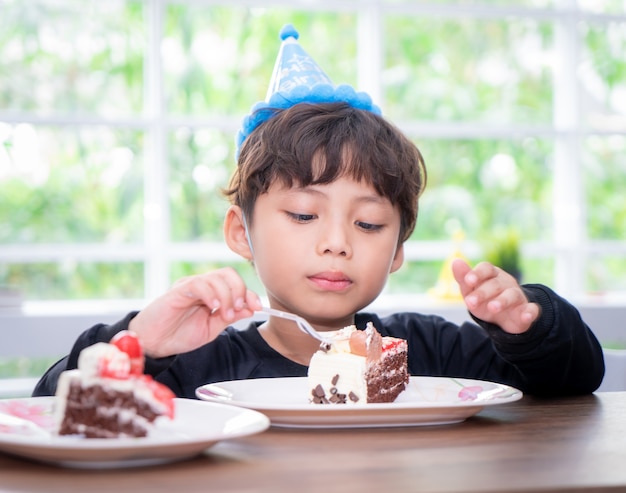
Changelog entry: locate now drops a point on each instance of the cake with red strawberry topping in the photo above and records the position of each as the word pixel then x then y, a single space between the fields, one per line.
pixel 358 366
pixel 108 395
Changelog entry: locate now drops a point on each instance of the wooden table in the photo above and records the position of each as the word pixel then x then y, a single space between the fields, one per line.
pixel 571 444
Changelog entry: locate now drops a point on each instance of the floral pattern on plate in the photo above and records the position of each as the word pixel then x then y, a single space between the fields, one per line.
pixel 37 413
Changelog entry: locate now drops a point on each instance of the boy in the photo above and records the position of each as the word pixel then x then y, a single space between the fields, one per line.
pixel 324 196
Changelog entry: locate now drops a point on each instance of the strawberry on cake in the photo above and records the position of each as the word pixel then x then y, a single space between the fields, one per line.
pixel 108 395
pixel 359 366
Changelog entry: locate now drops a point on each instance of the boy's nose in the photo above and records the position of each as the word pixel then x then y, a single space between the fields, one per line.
pixel 334 240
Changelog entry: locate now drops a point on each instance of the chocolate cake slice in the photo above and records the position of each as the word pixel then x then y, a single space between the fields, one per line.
pixel 108 396
pixel 358 367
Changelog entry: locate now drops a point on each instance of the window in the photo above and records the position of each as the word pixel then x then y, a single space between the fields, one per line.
pixel 117 124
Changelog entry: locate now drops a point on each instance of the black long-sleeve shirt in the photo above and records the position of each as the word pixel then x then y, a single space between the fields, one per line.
pixel 558 355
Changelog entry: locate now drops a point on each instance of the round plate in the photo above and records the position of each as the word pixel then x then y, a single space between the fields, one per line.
pixel 196 427
pixel 426 401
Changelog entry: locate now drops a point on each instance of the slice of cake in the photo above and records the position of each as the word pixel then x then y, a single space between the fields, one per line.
pixel 359 366
pixel 108 395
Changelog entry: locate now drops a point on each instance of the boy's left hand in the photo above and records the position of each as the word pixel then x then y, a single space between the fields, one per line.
pixel 495 296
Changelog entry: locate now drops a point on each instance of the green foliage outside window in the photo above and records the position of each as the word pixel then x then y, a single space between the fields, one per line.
pixel 75 163
pixel 477 70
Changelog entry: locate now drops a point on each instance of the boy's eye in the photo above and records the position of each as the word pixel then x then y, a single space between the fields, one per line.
pixel 369 226
pixel 301 218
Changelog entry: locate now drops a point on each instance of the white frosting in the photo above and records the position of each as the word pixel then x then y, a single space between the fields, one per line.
pixel 94 359
pixel 350 368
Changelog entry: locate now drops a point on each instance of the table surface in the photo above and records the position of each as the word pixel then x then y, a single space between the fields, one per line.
pixel 574 443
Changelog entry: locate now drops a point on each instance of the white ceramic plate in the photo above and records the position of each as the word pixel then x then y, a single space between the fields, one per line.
pixel 196 427
pixel 426 401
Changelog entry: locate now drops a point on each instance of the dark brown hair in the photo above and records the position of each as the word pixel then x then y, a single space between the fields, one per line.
pixel 313 144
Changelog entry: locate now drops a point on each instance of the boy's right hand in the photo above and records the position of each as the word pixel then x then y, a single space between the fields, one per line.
pixel 193 312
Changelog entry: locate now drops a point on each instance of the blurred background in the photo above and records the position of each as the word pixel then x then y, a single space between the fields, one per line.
pixel 117 125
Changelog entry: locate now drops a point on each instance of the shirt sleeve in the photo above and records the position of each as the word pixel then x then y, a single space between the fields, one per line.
pixel 559 354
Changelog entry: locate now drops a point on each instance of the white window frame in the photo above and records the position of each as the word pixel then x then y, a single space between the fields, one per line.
pixel 570 246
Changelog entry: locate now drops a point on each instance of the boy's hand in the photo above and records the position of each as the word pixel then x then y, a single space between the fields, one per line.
pixel 193 312
pixel 494 296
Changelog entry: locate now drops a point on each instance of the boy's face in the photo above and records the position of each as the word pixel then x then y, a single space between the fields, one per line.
pixel 325 251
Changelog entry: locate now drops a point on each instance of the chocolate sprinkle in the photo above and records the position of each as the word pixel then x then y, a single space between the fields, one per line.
pixel 318 395
pixel 338 399
pixel 318 391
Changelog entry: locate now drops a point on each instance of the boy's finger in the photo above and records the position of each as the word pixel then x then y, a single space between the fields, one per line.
pixel 460 269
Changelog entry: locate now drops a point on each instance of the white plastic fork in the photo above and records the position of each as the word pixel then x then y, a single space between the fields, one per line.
pixel 302 324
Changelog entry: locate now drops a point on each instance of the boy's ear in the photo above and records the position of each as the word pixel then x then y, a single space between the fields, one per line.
pixel 235 232
pixel 398 259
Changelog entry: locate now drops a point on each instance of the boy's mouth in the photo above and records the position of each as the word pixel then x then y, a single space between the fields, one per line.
pixel 331 281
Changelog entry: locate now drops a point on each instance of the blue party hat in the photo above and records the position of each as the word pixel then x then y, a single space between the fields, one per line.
pixel 294 68
pixel 297 78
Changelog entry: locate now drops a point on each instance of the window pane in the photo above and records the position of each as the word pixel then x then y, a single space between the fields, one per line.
pixel 74 280
pixel 414 277
pixel 468 70
pixel 481 185
pixel 72 56
pixel 219 60
pixel 606 273
pixel 538 270
pixel 66 184
pixel 75 186
pixel 422 276
pixel 495 3
pixel 202 162
pixel 603 6
pixel 25 367
pixel 603 76
pixel 605 182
